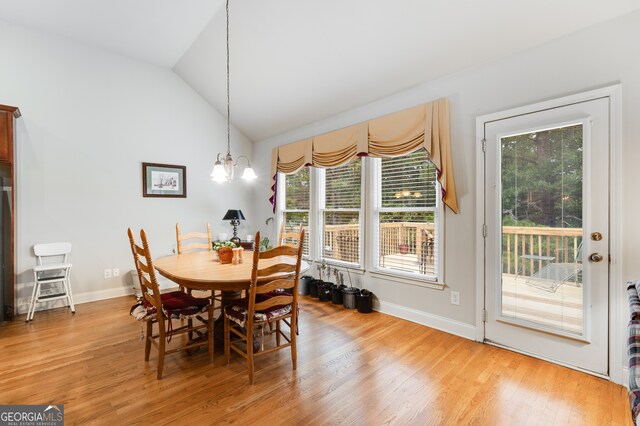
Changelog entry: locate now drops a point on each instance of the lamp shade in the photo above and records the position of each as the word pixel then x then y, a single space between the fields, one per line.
pixel 234 214
pixel 218 173
pixel 249 174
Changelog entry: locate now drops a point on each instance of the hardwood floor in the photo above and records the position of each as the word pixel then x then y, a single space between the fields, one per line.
pixel 368 369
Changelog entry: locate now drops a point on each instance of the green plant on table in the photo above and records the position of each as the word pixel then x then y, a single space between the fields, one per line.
pixel 220 244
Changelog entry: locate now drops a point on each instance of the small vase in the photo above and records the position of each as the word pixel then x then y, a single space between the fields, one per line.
pixel 225 254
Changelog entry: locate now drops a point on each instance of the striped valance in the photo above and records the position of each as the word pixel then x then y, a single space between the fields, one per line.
pixel 425 126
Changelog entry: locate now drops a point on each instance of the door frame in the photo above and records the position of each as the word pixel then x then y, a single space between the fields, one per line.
pixel 616 287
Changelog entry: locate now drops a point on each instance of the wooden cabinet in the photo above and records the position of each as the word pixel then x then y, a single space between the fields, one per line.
pixel 6 136
pixel 8 115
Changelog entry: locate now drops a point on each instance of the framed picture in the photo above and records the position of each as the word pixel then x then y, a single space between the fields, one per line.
pixel 164 180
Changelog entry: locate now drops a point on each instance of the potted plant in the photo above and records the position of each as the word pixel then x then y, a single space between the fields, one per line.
pixel 264 244
pixel 224 250
pixel 403 248
pixel 364 301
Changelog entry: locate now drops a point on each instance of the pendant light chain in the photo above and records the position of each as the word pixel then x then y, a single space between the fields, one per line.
pixel 223 167
pixel 228 101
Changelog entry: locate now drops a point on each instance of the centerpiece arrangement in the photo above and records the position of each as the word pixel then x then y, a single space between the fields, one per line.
pixel 224 250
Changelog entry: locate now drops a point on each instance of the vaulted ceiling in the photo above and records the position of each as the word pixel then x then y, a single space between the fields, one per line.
pixel 294 62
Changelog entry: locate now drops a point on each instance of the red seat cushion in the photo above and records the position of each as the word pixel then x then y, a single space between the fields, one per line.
pixel 175 304
pixel 238 312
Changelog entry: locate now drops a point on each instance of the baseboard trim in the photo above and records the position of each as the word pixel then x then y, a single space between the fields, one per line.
pixel 78 299
pixel 434 321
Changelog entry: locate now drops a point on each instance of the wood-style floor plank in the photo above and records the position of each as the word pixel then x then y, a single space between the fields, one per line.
pixel 352 369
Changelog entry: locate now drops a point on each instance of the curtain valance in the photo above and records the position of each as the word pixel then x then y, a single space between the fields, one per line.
pixel 425 126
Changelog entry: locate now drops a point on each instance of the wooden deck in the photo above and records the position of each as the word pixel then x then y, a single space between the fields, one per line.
pixel 406 262
pixel 561 309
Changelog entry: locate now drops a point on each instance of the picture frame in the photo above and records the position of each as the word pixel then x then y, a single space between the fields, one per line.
pixel 164 180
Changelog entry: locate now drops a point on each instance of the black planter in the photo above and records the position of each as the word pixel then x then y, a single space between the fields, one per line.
pixel 349 297
pixel 336 294
pixel 324 291
pixel 313 287
pixel 364 301
pixel 304 285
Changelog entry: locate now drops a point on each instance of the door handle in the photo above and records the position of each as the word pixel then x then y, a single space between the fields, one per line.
pixel 596 257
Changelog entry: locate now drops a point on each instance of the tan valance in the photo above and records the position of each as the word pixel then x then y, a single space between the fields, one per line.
pixel 425 126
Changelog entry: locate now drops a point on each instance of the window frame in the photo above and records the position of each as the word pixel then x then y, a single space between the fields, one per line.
pixel 370 187
pixel 281 210
pixel 320 194
pixel 375 208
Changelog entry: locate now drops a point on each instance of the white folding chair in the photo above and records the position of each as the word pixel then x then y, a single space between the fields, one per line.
pixel 52 272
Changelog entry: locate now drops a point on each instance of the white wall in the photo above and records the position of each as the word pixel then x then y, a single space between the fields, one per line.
pixel 585 60
pixel 89 119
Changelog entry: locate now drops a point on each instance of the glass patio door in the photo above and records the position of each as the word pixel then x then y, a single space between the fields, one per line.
pixel 546 203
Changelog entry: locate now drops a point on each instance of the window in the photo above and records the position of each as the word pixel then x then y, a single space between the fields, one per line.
pixel 406 215
pixel 396 200
pixel 341 213
pixel 296 204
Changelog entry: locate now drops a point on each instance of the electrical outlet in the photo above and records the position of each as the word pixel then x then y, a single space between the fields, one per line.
pixel 107 273
pixel 116 272
pixel 455 298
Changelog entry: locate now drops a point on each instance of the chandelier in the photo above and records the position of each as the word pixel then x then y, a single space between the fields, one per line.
pixel 223 168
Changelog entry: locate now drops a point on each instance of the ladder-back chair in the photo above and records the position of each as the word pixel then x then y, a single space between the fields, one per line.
pixel 288 238
pixel 193 240
pixel 268 302
pixel 161 309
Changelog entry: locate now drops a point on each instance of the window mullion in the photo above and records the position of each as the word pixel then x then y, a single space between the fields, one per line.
pixel 317 203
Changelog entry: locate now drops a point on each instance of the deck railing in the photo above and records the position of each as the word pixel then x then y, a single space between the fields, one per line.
pixel 526 250
pixel 398 237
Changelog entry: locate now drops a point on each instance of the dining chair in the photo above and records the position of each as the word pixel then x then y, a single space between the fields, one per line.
pixel 288 238
pixel 156 308
pixel 270 301
pixel 51 276
pixel 195 241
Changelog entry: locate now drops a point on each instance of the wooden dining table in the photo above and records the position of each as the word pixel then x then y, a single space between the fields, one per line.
pixel 202 270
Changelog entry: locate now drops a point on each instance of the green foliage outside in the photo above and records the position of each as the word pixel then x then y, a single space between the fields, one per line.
pixel 542 178
pixel 542 187
pixel 297 190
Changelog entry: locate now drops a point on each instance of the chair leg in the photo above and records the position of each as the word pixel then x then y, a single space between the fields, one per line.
pixel 227 342
pixel 32 304
pixel 161 349
pixel 249 344
pixel 67 284
pixel 147 340
pixel 278 333
pixel 294 353
pixel 210 332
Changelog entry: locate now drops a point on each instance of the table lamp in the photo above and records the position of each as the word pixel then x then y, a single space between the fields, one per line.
pixel 235 216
